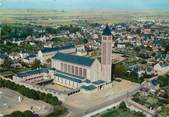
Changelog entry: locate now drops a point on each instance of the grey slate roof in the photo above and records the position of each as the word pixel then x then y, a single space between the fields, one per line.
pixel 32 72
pixel 89 88
pixel 45 50
pixel 60 75
pixel 80 60
pixel 99 82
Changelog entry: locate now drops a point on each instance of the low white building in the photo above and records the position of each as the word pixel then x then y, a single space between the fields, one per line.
pixel 30 58
pixel 35 76
pixel 121 45
pixel 161 68
pixel 47 53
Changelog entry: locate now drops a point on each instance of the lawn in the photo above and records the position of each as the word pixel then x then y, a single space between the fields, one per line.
pixel 148 101
pixel 165 111
pixel 120 111
pixel 151 100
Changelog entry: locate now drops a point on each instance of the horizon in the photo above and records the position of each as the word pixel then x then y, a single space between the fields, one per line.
pixel 85 4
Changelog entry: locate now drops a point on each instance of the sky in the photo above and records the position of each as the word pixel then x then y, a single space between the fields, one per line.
pixel 84 4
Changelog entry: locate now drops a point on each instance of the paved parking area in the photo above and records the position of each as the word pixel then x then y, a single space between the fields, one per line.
pixel 9 102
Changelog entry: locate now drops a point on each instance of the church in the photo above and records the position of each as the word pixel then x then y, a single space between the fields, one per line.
pixel 83 72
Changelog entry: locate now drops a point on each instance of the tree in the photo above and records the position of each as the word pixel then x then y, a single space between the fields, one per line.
pixel 85 41
pixel 165 111
pixel 5 32
pixel 20 114
pixel 138 32
pixel 120 70
pixel 58 110
pixel 137 49
pixel 28 114
pixel 163 80
pixel 29 92
pixel 36 64
pixel 123 106
pixel 7 63
pixel 49 62
pixel 16 114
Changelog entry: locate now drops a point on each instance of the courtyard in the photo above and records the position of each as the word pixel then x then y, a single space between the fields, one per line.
pixel 57 87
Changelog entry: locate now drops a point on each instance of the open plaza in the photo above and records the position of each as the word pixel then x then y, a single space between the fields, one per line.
pixel 90 102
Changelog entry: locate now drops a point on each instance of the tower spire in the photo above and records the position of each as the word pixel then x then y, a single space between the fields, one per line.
pixel 106 54
pixel 107 31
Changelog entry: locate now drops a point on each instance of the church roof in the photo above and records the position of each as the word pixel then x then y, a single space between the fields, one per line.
pixel 107 31
pixel 80 60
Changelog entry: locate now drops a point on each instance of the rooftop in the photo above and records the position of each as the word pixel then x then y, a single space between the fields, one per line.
pixel 45 50
pixel 31 56
pixel 155 82
pixel 32 72
pixel 107 31
pixel 64 76
pixel 99 82
pixel 2 56
pixel 89 87
pixel 80 60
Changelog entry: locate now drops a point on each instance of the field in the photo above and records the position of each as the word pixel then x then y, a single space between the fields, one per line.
pixel 10 102
pixel 54 17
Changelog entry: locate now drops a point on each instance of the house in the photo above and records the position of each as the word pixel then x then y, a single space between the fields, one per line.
pixel 121 45
pixel 81 50
pixel 30 58
pixel 161 68
pixel 2 58
pixel 14 56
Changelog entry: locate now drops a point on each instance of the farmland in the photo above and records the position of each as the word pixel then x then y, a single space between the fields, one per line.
pixel 53 17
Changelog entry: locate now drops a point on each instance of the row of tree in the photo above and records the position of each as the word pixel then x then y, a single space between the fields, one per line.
pixel 20 114
pixel 163 80
pixel 10 31
pixel 58 111
pixel 29 92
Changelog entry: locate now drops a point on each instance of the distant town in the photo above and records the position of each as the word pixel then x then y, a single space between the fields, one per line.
pixel 84 68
